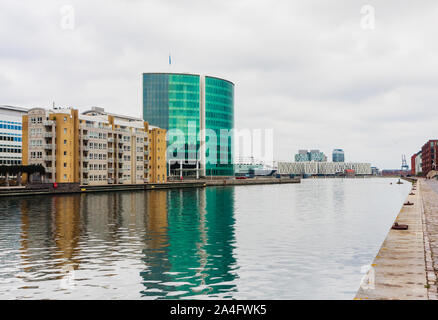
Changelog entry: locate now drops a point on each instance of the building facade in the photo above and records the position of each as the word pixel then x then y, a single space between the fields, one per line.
pixel 92 148
pixel 11 134
pixel 312 155
pixel 323 168
pixel 418 164
pixel 429 156
pixel 198 113
pixel 416 160
pixel 338 155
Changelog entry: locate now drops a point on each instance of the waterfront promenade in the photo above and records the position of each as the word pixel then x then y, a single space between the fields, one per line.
pixel 200 183
pixel 404 267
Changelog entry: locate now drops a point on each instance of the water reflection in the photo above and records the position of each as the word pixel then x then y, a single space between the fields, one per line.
pixel 304 241
pixel 181 243
pixel 190 249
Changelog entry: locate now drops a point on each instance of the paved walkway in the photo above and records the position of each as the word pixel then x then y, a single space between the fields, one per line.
pixel 399 269
pixel 430 202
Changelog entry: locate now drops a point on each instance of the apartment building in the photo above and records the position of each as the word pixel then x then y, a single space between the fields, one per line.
pixel 429 156
pixel 92 148
pixel 10 134
pixel 157 168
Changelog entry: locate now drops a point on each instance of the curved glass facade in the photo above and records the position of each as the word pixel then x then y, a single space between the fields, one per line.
pixel 219 115
pixel 175 101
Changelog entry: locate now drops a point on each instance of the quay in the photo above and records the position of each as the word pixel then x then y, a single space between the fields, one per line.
pixel 47 189
pixel 404 269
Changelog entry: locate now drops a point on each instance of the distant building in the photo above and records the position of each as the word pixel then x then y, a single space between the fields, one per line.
pixel 338 155
pixel 375 171
pixel 429 156
pixel 310 156
pixel 416 164
pixel 302 156
pixel 11 134
pixel 323 168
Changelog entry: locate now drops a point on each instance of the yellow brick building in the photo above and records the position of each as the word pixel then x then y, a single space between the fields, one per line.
pixel 157 155
pixel 93 148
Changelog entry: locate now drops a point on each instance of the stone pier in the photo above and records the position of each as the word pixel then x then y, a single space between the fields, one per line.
pixel 401 268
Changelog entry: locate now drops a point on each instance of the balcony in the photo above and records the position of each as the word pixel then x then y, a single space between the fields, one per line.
pixel 85 136
pixel 48 134
pixel 85 181
pixel 111 150
pixel 110 181
pixel 48 122
pixel 85 170
pixel 111 160
pixel 85 148
pixel 47 158
pixel 110 139
pixel 110 170
pixel 49 169
pixel 48 147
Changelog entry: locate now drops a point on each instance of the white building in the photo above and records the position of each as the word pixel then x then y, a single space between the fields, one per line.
pixel 10 134
pixel 324 168
pixel 418 163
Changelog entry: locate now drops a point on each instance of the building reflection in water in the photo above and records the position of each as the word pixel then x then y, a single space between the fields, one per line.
pixel 189 244
pixel 163 244
pixel 50 231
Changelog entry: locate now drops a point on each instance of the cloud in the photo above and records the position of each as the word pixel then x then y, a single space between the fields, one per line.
pixel 304 68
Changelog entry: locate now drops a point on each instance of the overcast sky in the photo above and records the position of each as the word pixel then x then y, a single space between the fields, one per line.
pixel 314 71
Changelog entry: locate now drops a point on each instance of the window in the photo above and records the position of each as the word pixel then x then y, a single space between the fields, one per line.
pixel 65 141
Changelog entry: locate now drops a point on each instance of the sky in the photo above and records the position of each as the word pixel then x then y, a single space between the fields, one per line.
pixel 356 75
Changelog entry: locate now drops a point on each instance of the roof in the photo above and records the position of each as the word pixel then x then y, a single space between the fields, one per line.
pixel 12 108
pixel 102 111
pixel 190 74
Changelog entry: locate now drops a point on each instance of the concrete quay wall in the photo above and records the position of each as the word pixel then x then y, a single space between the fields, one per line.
pixel 403 268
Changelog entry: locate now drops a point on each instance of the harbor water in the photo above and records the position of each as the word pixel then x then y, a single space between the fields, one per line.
pixel 291 241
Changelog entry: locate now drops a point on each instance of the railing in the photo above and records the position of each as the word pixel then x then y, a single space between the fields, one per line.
pixel 48 134
pixel 48 122
pixel 48 147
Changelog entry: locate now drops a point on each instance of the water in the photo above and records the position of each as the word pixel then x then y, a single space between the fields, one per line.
pixel 290 241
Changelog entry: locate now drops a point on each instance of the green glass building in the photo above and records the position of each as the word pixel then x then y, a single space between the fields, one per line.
pixel 201 109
